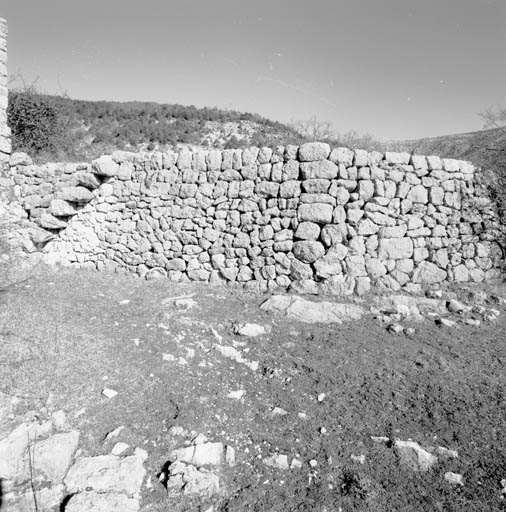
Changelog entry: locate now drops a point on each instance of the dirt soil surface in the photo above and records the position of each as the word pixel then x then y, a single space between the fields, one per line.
pixel 67 335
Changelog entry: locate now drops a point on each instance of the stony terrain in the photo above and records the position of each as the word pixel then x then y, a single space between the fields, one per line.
pixel 120 394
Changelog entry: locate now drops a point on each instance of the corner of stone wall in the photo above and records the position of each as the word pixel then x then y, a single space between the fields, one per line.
pixel 5 133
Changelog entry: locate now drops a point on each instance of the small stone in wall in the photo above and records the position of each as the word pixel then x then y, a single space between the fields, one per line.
pixel 308 251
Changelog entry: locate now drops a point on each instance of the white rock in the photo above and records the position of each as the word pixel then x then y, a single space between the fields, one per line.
pixel 230 456
pixel 109 393
pixel 313 312
pixel 454 478
pixel 313 151
pixel 99 502
pixel 59 420
pixel 395 328
pixel 48 498
pixel 278 461
pixel 446 452
pixel 295 464
pixel 455 306
pixel 445 322
pixel 251 330
pixel 106 473
pixel 115 433
pixel 53 457
pixel 105 166
pixel 236 395
pixel 14 463
pixel 207 454
pixel 428 273
pixel 119 448
pixel 278 411
pixel 412 455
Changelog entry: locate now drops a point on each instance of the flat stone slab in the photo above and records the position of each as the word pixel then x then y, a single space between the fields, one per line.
pixel 97 502
pixel 309 311
pixel 106 473
pixel 206 454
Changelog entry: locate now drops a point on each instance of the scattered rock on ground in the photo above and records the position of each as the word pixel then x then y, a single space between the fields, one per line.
pixel 412 455
pixel 454 478
pixel 278 461
pixel 251 330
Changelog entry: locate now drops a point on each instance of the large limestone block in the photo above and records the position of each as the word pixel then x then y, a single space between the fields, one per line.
pixel 322 169
pixel 48 221
pixel 342 156
pixel 319 213
pixel 308 231
pixel 106 473
pixel 308 251
pixel 98 502
pixel 451 165
pixel 312 312
pixel 428 273
pixel 329 265
pixel 313 151
pixel 52 457
pixel 375 268
pixel 105 166
pixel 61 208
pixel 397 158
pixel 367 227
pixel 395 248
pixel 418 194
pixel 75 194
pixel 206 454
pixel 412 455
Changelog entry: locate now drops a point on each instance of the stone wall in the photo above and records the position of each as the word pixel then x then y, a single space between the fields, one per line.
pixel 313 219
pixel 5 145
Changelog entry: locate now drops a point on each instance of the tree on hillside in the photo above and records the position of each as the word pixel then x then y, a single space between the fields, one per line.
pixel 494 156
pixel 314 130
pixel 41 124
pixel 495 117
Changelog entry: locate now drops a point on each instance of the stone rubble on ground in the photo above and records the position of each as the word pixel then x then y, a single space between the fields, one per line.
pixel 308 311
pixel 197 469
pixel 41 468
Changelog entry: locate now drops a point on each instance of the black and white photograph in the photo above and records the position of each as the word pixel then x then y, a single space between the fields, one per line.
pixel 253 256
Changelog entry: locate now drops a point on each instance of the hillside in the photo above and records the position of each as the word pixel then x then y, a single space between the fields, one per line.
pixel 485 148
pixel 79 129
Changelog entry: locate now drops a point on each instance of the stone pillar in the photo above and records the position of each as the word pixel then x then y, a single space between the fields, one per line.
pixel 5 141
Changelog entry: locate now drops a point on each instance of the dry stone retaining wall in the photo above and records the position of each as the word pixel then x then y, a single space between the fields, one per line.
pixel 310 218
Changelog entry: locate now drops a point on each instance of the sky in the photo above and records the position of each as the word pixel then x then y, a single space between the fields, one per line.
pixel 396 69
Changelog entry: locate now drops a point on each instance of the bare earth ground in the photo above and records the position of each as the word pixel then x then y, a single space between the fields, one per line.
pixel 67 335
